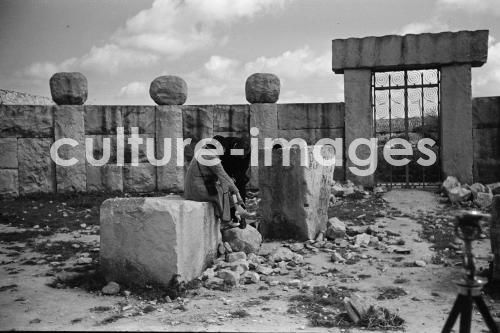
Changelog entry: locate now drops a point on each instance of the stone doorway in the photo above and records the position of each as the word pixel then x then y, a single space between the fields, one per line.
pixel 406 105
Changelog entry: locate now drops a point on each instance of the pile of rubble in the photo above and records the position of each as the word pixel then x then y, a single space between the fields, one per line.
pixel 464 194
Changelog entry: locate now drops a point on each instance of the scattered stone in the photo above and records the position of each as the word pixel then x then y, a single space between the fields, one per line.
pixel 477 188
pixel 420 263
pixel 362 240
pixel 335 228
pixel 168 90
pixel 227 247
pixel 450 183
pixel 494 188
pixel 239 266
pixel 356 307
pixel 112 288
pixel 221 250
pixel 83 261
pixel 251 277
pixel 400 250
pixel 281 254
pixel 230 257
pixel 484 200
pixel 459 194
pixel 295 247
pixel 336 257
pixel 208 273
pixel 273 283
pixel 247 240
pixel 264 270
pixel 320 237
pixel 230 277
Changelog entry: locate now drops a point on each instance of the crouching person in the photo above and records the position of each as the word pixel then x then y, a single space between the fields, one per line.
pixel 206 180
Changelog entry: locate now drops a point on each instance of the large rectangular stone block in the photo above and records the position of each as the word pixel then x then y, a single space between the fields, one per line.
pixel 69 123
pixel 28 121
pixel 36 168
pixel 149 240
pixel 486 112
pixel 104 178
pixel 410 51
pixel 456 122
pixel 310 116
pixel 97 147
pixel 8 153
pixel 9 184
pixel 294 199
pixel 102 119
pixel 231 118
pixel 140 178
pixel 170 177
pixel 140 116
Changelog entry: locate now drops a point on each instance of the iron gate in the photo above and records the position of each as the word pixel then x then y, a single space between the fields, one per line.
pixel 406 104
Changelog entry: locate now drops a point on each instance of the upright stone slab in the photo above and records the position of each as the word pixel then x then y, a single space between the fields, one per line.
pixel 36 168
pixel 102 119
pixel 197 123
pixel 358 119
pixel 170 177
pixel 231 118
pixel 149 240
pixel 104 178
pixel 9 185
pixel 265 118
pixel 294 199
pixel 139 178
pixel 69 124
pixel 8 153
pixel 140 116
pixel 456 118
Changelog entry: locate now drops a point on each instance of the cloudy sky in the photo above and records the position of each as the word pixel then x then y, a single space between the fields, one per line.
pixel 122 45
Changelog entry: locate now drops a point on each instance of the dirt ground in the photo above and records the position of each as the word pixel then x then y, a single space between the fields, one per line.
pixel 45 238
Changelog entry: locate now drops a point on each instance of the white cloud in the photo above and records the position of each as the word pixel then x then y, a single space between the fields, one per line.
pixel 135 89
pixel 420 27
pixel 486 79
pixel 491 6
pixel 170 28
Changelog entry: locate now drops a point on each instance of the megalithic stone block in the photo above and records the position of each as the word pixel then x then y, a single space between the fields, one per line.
pixel 262 88
pixel 69 124
pixel 149 240
pixel 68 88
pixel 294 198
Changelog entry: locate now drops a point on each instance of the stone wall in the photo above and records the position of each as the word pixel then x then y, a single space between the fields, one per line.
pixel 486 135
pixel 19 98
pixel 28 131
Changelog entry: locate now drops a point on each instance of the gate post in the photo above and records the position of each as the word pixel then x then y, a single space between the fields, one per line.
pixel 456 122
pixel 358 119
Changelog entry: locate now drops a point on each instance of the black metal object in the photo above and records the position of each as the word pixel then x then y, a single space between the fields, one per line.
pixel 468 228
pixel 406 104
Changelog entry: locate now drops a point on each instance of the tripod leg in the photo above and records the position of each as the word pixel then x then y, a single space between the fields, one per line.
pixel 488 319
pixel 452 317
pixel 466 316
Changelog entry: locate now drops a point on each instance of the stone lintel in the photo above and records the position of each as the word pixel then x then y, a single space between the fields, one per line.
pixel 412 51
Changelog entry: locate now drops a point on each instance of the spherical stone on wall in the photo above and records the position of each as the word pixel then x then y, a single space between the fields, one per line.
pixel 68 88
pixel 168 90
pixel 262 88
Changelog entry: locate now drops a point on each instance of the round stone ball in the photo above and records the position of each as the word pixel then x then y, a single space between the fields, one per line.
pixel 262 88
pixel 68 88
pixel 168 90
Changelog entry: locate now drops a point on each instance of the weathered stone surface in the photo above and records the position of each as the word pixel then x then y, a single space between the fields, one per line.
pixel 247 240
pixel 69 123
pixel 104 178
pixel 428 49
pixel 198 123
pixel 20 98
pixel 36 169
pixel 494 188
pixel 231 118
pixel 262 88
pixel 236 256
pixel 102 119
pixel 140 116
pixel 310 115
pixel 148 240
pixel 477 188
pixel 335 228
pixel 449 183
pixel 170 177
pixel 294 199
pixel 456 118
pixel 8 153
pixel 495 237
pixel 358 119
pixel 230 277
pixel 168 90
pixel 140 178
pixel 486 112
pixel 112 288
pixel 486 148
pixel 96 146
pixel 483 199
pixel 142 148
pixel 68 88
pixel 9 184
pixel 459 194
pixel 29 121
